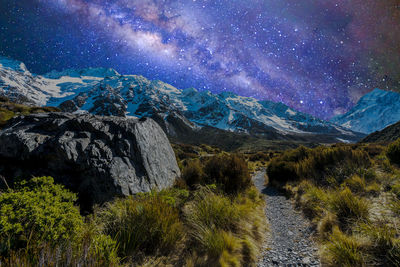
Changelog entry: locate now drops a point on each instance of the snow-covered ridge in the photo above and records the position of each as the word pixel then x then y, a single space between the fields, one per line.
pixel 106 92
pixel 373 112
pixel 13 65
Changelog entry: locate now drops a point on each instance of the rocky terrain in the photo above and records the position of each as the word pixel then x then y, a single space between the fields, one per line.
pixel 289 242
pixel 99 157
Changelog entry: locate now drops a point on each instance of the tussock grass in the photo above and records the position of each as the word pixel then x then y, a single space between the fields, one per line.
pixel 344 250
pixel 147 223
pixel 326 225
pixel 349 208
pixel 313 200
pixel 228 230
pixel 355 183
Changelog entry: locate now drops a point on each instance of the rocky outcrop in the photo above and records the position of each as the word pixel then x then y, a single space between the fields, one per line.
pixel 99 157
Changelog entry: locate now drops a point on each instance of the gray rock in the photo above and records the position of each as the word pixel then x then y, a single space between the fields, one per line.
pixel 99 157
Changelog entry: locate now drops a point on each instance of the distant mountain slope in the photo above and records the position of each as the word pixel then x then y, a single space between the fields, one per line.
pixel 180 112
pixel 389 134
pixel 373 112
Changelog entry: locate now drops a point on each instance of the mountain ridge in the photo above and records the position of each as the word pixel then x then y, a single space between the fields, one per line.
pixel 106 92
pixel 373 112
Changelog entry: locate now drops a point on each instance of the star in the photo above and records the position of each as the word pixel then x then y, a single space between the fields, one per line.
pixel 314 56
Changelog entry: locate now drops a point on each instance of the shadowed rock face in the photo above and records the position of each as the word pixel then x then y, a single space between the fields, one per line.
pixel 99 157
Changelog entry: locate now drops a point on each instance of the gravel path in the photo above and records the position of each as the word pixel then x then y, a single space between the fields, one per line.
pixel 289 243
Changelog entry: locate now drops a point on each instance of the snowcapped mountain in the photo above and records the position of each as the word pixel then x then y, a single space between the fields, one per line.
pixel 105 92
pixel 373 112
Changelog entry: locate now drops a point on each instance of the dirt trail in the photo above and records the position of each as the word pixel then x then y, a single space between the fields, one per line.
pixel 289 242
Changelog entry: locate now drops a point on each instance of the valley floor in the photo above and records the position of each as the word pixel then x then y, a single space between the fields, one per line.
pixel 289 243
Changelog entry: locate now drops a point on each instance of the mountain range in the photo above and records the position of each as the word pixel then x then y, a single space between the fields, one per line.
pixel 184 114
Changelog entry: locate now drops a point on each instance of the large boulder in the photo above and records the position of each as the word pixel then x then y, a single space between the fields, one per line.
pixel 98 157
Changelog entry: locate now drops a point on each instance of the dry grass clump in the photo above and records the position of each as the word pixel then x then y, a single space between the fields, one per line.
pixel 227 231
pixel 349 208
pixel 143 224
pixel 312 199
pixel 355 183
pixel 344 250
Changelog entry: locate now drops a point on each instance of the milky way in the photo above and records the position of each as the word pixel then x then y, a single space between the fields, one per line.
pixel 316 56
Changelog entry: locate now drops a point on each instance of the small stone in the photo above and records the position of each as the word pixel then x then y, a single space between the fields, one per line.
pixel 306 260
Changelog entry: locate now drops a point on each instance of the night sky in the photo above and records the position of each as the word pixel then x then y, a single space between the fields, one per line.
pixel 316 56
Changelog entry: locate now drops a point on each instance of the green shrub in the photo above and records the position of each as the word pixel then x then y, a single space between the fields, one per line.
pixel 393 152
pixel 39 225
pixel 145 223
pixel 37 212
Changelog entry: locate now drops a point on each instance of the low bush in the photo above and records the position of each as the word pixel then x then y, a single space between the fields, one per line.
pixel 37 212
pixel 229 171
pixel 279 171
pixel 40 224
pixel 317 164
pixel 393 152
pixel 193 173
